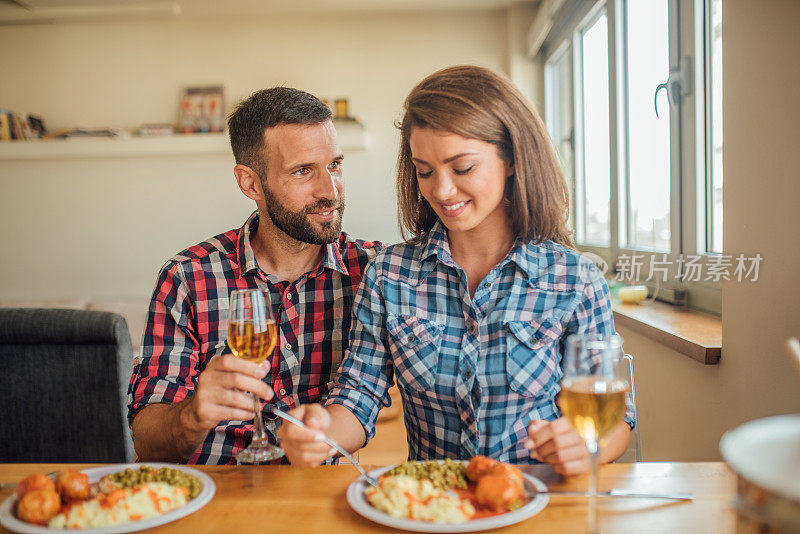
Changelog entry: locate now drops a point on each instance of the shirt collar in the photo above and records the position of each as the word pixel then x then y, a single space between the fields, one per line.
pixel 332 258
pixel 244 250
pixel 435 248
pixel 524 255
pixel 331 253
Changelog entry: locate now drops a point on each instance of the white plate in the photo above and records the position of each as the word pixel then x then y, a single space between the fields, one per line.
pixel 359 503
pixel 767 453
pixel 10 522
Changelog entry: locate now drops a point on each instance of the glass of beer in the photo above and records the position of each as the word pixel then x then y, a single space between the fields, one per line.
pixel 252 335
pixel 592 397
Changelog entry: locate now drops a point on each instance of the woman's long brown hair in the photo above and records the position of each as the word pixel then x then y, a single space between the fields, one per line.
pixel 477 103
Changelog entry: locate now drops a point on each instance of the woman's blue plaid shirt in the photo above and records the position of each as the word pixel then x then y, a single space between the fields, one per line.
pixel 473 372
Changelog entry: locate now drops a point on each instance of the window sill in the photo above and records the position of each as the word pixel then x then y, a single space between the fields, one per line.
pixel 693 333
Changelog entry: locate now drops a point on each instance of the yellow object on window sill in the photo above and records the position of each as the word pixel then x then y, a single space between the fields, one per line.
pixel 632 294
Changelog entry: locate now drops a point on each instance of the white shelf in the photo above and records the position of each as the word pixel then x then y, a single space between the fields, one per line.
pixel 352 136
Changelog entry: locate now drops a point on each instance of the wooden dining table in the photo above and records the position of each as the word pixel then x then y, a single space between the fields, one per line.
pixel 284 499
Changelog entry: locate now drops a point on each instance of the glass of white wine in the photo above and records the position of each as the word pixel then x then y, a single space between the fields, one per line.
pixel 252 334
pixel 592 397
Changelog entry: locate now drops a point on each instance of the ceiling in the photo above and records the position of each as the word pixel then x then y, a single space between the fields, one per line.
pixel 14 12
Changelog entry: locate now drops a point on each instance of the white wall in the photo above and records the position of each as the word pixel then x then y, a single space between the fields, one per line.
pixel 686 407
pixel 103 227
pixel 761 159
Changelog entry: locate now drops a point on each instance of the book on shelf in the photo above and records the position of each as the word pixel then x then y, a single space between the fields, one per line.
pixel 86 133
pixel 5 127
pixel 93 132
pixel 14 126
pixel 151 129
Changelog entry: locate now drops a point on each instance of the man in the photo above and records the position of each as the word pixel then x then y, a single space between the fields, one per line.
pixel 187 400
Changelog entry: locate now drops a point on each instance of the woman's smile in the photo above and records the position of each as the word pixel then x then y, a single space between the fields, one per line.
pixel 455 209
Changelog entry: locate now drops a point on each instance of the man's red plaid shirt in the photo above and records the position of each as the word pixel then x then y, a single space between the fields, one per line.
pixel 188 319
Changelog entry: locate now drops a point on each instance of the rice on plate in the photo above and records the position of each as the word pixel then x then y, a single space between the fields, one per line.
pixel 122 506
pixel 406 497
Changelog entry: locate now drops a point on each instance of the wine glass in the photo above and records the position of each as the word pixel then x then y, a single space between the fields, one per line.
pixel 252 334
pixel 592 397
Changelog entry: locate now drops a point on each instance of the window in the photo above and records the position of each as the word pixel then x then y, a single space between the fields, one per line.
pixel 646 146
pixel 645 160
pixel 593 187
pixel 558 113
pixel 713 120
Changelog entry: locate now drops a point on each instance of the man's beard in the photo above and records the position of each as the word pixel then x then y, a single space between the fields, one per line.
pixel 296 225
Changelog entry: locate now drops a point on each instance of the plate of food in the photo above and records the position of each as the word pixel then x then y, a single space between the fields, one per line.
pixel 106 500
pixel 448 495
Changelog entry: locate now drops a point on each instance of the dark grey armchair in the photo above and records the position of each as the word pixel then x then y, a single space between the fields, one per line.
pixel 63 384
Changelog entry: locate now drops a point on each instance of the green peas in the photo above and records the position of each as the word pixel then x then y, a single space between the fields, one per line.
pixel 443 475
pixel 175 477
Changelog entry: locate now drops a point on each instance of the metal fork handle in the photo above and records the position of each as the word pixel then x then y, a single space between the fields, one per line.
pixel 341 450
pixel 373 481
pixel 622 493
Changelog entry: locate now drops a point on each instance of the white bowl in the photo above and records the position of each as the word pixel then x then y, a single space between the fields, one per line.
pixel 765 454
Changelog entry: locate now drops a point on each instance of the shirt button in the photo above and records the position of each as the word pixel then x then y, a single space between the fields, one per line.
pixel 282 391
pixel 472 328
pixel 487 284
pixel 288 346
pixel 289 296
pixel 467 374
pixel 411 338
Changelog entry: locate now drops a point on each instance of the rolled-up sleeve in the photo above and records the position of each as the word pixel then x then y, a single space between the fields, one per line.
pixel 366 374
pixel 167 370
pixel 594 316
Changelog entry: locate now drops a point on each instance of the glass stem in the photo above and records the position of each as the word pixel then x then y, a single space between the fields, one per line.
pixel 594 460
pixel 258 422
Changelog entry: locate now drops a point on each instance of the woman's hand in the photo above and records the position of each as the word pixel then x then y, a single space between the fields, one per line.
pixel 556 443
pixel 303 446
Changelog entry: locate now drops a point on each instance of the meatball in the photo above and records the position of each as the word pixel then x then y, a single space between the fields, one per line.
pixel 479 466
pixel 38 506
pixel 510 471
pixel 73 485
pixel 33 482
pixel 497 491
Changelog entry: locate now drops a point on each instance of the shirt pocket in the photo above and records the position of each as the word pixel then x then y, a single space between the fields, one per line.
pixel 414 344
pixel 532 357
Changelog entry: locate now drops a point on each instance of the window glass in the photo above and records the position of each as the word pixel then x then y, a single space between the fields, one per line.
pixel 648 135
pixel 595 228
pixel 558 113
pixel 715 204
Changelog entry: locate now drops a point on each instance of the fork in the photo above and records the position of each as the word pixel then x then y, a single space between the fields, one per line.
pixel 294 420
pixel 615 493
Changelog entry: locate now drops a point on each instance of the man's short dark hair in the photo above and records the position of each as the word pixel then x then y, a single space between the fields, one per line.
pixel 265 109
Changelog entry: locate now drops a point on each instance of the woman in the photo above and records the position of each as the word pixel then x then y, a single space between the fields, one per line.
pixel 469 313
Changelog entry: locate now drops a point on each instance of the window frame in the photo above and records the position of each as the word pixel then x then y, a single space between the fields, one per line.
pixel 690 178
pixel 552 115
pixel 579 180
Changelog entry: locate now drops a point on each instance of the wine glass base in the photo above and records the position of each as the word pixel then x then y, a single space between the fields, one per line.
pixel 259 455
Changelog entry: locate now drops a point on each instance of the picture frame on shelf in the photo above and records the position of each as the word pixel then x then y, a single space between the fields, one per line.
pixel 202 110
